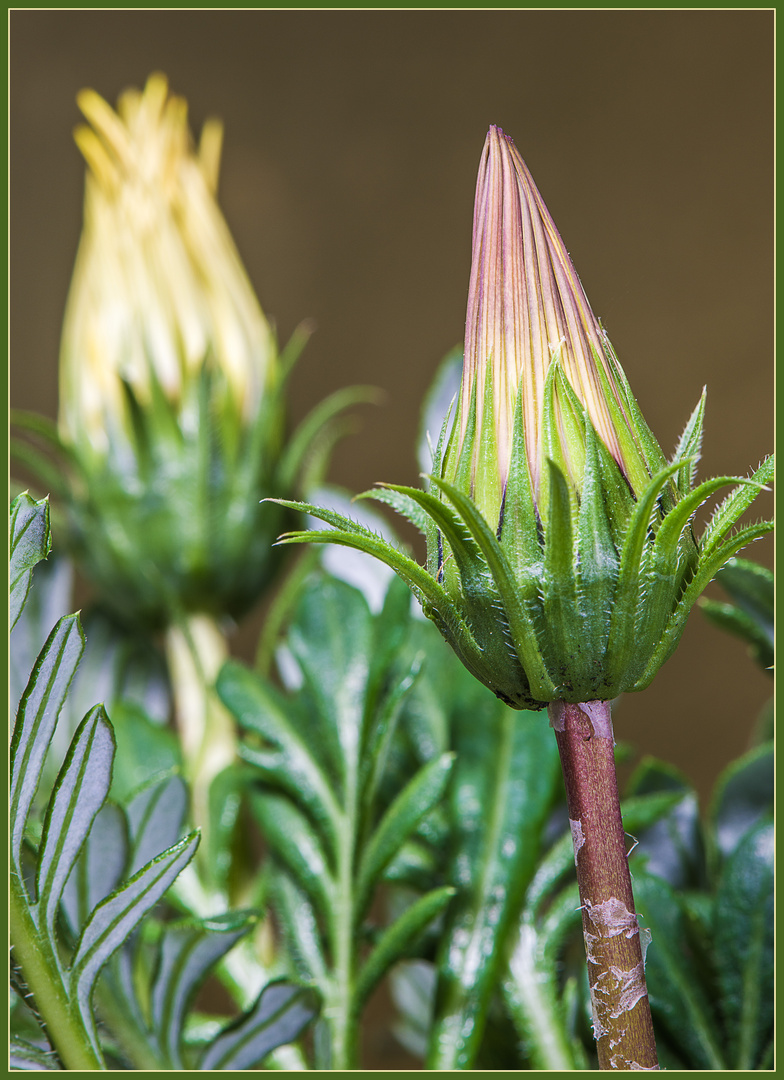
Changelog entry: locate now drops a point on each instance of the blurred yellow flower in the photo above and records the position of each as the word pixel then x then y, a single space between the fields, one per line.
pixel 158 287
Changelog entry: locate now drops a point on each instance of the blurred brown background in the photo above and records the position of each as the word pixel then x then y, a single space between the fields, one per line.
pixel 352 141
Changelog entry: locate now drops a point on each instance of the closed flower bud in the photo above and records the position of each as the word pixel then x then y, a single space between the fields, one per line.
pixel 527 309
pixel 158 289
pixel 172 409
pixel 561 560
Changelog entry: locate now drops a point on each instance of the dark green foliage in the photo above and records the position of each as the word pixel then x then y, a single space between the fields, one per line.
pixel 750 617
pixel 63 988
pixel 710 964
pixel 321 753
pixel 85 872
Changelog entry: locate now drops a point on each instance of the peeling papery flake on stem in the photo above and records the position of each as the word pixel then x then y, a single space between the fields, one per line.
pixel 611 917
pixel 578 837
pixel 620 989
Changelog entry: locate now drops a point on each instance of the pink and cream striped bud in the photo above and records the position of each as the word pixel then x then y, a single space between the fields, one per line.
pixel 527 308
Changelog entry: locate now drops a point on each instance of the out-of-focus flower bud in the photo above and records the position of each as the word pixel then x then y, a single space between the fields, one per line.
pixel 172 410
pixel 158 290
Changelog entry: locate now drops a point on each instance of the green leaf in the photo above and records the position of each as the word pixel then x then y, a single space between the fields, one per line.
pixel 670 841
pixel 68 883
pixel 365 572
pixel 146 750
pixel 78 795
pixel 38 425
pixel 744 946
pixel 99 867
pixel 188 951
pixel 502 788
pixel 301 929
pixel 555 864
pixel 391 628
pixel 520 519
pixel 751 617
pixel 476 584
pixel 436 407
pixel 123 999
pixel 623 646
pixel 36 719
pixel 597 564
pixel 48 600
pixel 226 838
pixel 751 587
pixel 435 601
pixel 643 436
pixel 331 640
pixel 430 458
pixel 742 797
pixel 414 801
pixel 402 503
pixel 278 1017
pixel 532 993
pixel 30 542
pixel 118 669
pixel 114 919
pixel 682 1011
pixel 561 429
pixel 399 939
pixel 428 708
pixel 48 477
pixel 676 520
pixel 561 611
pixel 147 990
pixel 735 621
pixel 295 842
pixel 23 1055
pixel 261 709
pixel 511 591
pixel 412 986
pixel 709 565
pixel 666 569
pixel 379 735
pixel 155 815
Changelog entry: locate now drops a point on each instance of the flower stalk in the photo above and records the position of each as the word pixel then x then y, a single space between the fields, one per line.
pixel 562 561
pixel 614 944
pixel 196 649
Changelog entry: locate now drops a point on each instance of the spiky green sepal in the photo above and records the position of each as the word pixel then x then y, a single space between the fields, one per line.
pixel 585 611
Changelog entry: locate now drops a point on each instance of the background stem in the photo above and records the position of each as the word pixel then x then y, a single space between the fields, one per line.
pixel 40 968
pixel 622 1017
pixel 196 649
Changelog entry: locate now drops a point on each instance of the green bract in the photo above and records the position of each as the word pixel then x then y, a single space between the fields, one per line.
pixel 561 559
